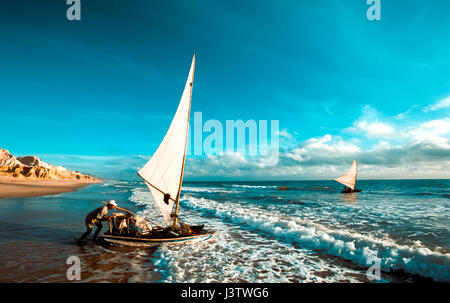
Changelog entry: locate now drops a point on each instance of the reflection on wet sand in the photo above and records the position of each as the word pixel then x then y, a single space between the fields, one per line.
pixel 117 264
pixel 38 235
pixel 48 264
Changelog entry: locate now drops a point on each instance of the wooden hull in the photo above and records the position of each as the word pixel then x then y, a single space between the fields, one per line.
pixel 349 191
pixel 153 242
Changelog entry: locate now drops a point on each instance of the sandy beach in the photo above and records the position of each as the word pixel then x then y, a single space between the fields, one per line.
pixel 11 187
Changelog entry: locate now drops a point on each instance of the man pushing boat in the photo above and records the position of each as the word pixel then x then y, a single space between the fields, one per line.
pixel 96 217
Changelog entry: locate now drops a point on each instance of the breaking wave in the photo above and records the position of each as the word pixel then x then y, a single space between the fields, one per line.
pixel 207 189
pixel 361 249
pixel 276 225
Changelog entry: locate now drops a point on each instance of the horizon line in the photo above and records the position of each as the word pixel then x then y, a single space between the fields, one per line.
pixel 395 179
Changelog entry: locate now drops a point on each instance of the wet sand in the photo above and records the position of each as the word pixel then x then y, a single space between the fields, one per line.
pixel 38 236
pixel 11 187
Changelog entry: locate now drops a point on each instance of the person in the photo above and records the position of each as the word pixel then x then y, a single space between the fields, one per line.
pixel 96 217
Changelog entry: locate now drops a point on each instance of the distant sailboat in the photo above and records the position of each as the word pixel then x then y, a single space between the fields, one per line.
pixel 163 175
pixel 349 179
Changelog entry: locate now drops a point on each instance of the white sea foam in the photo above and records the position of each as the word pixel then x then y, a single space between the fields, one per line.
pixel 115 183
pixel 237 255
pixel 208 189
pixel 350 245
pixel 286 230
pixel 141 196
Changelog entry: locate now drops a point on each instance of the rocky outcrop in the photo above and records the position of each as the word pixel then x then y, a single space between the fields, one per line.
pixel 31 167
pixel 6 159
pixel 32 161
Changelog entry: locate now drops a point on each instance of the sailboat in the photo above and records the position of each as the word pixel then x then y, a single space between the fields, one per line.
pixel 349 179
pixel 163 175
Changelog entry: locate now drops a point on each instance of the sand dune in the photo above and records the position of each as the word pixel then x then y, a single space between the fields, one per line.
pixel 12 187
pixel 32 167
pixel 29 176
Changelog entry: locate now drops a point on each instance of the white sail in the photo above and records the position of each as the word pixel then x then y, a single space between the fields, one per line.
pixel 349 178
pixel 163 173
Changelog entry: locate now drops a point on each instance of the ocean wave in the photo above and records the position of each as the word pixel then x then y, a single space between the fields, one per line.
pixel 361 249
pixel 207 189
pixel 141 196
pixel 115 183
pixel 253 186
pixel 232 257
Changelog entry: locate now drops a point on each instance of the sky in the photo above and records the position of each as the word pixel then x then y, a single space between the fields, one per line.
pixel 98 95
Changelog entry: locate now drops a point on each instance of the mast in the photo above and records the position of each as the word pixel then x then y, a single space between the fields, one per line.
pixel 177 203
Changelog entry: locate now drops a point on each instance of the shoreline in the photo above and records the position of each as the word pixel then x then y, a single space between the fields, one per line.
pixel 11 187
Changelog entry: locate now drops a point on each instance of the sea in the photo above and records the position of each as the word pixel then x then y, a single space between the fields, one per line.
pixel 394 231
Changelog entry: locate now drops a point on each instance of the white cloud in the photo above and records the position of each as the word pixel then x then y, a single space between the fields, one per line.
pixel 424 154
pixel 322 149
pixel 382 145
pixel 441 104
pixel 286 139
pixel 433 131
pixel 370 125
pixel 376 129
pixel 284 134
pixel 430 141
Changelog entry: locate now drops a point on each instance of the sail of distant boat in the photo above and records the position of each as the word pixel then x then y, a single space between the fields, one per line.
pixel 163 173
pixel 349 178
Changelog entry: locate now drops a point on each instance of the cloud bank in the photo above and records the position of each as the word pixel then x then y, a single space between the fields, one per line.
pixel 384 151
pixel 418 149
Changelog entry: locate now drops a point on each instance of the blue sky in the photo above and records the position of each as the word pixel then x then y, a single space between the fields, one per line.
pixel 98 94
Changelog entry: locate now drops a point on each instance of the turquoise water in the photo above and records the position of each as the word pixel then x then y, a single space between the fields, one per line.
pixel 307 232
